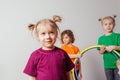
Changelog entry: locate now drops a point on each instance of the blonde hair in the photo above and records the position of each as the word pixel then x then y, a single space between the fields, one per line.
pixel 108 17
pixel 51 22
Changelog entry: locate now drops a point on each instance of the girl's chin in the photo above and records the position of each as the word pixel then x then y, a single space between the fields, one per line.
pixel 49 47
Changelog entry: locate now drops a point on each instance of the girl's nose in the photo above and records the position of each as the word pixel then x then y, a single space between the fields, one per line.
pixel 47 36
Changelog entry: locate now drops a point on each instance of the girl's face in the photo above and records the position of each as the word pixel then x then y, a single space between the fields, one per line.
pixel 108 25
pixel 66 39
pixel 47 36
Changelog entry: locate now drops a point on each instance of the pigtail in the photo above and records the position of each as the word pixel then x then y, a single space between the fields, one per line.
pixel 100 19
pixel 31 27
pixel 56 18
pixel 114 16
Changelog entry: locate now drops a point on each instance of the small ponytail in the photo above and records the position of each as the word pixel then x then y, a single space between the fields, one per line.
pixel 100 19
pixel 56 18
pixel 31 27
pixel 114 16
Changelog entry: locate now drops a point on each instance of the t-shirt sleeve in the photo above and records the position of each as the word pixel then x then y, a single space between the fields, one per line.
pixel 98 43
pixel 30 68
pixel 69 63
pixel 78 50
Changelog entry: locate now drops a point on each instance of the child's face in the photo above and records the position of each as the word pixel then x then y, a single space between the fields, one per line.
pixel 108 25
pixel 47 36
pixel 66 39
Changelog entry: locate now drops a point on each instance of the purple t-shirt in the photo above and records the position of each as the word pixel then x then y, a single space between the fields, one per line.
pixel 49 64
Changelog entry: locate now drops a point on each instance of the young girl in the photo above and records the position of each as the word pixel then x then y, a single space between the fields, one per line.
pixel 67 39
pixel 109 41
pixel 48 62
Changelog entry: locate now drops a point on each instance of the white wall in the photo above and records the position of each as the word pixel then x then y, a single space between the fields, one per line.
pixel 16 42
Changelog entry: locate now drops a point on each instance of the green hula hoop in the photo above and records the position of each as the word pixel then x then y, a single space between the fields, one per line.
pixel 88 48
pixel 82 52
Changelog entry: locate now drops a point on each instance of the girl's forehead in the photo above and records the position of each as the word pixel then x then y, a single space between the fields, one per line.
pixel 44 26
pixel 107 20
pixel 65 35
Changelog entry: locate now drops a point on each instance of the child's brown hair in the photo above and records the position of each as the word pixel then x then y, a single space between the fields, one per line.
pixel 69 33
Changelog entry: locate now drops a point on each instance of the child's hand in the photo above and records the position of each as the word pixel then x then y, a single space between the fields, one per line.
pixel 118 65
pixel 102 49
pixel 110 48
pixel 119 72
pixel 79 55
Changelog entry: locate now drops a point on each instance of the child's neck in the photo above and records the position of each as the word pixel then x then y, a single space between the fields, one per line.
pixel 48 48
pixel 70 44
pixel 107 34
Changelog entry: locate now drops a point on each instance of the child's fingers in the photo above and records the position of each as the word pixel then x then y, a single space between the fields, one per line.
pixel 110 48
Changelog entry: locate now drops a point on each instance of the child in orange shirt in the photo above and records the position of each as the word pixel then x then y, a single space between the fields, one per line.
pixel 67 39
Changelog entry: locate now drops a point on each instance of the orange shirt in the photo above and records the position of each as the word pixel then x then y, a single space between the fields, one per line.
pixel 72 50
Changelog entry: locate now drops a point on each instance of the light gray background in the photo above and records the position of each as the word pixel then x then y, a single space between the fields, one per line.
pixel 16 42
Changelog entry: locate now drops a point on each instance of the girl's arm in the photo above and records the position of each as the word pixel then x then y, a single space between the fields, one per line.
pixel 78 55
pixel 110 48
pixel 31 78
pixel 118 65
pixel 117 48
pixel 69 75
pixel 80 72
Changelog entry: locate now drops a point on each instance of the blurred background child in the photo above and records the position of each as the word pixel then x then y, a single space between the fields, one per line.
pixel 67 39
pixel 112 41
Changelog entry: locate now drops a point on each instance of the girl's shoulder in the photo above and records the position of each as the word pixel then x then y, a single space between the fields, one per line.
pixel 117 34
pixel 63 45
pixel 59 49
pixel 103 35
pixel 75 46
pixel 36 52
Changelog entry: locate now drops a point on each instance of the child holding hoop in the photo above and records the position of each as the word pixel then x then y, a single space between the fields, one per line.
pixel 67 39
pixel 112 41
pixel 48 62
